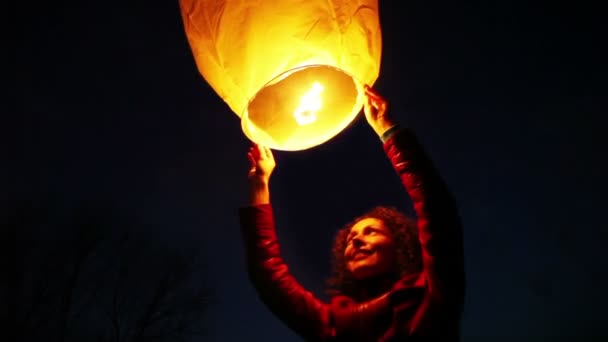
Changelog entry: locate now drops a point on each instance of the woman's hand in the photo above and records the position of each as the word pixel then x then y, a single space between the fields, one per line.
pixel 262 164
pixel 376 111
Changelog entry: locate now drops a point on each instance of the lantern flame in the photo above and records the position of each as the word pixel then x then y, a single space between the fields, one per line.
pixel 310 104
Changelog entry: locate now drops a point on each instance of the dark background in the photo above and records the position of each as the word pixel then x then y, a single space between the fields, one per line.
pixel 507 97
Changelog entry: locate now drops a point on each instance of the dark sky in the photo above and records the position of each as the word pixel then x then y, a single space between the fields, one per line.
pixel 505 96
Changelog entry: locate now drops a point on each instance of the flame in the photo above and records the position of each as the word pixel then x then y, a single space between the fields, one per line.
pixel 310 104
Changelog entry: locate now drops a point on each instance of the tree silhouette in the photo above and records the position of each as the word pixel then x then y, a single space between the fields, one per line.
pixel 93 276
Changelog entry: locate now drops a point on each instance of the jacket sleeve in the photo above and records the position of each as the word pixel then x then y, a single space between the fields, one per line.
pixel 440 234
pixel 276 287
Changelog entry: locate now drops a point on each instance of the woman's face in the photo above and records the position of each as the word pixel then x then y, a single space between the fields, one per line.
pixel 370 249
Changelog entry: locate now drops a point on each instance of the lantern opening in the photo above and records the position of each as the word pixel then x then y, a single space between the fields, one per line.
pixel 303 108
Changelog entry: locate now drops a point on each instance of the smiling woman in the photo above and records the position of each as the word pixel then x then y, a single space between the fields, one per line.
pixel 384 230
pixel 369 249
pixel 394 278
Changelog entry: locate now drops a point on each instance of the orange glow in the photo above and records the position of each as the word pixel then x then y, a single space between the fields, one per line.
pixel 310 104
pixel 293 71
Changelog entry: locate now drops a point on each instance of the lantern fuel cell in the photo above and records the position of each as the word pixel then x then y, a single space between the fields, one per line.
pixel 310 104
pixel 293 71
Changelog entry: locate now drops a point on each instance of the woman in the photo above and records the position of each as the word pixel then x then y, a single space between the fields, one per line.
pixel 394 278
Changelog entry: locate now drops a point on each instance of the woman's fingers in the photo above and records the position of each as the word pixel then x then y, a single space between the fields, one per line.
pixel 258 152
pixel 375 99
pixel 371 93
pixel 252 161
pixel 255 151
pixel 267 153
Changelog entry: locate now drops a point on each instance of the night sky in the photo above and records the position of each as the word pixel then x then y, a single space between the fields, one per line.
pixel 505 97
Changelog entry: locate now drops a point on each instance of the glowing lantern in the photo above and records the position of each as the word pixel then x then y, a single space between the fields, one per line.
pixel 293 71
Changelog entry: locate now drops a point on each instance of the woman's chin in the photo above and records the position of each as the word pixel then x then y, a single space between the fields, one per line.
pixel 363 272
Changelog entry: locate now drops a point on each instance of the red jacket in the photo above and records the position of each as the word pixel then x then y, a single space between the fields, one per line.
pixel 425 304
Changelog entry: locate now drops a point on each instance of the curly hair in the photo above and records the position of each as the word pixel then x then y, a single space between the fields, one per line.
pixel 407 249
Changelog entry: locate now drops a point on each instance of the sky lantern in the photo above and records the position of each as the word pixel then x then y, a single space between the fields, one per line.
pixel 292 70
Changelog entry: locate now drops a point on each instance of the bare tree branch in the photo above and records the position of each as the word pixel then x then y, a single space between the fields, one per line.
pixel 95 281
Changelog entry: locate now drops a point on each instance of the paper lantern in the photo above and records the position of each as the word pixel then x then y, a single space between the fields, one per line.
pixel 293 71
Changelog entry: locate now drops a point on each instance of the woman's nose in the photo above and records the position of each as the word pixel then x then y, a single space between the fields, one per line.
pixel 357 242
